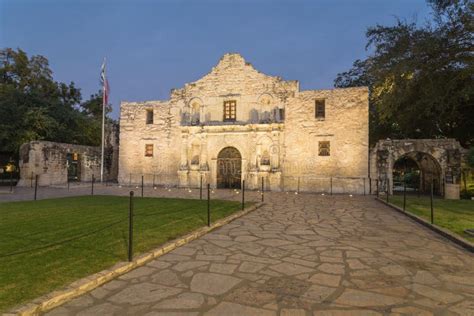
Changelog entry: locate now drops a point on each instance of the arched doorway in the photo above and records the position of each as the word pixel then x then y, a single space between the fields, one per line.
pixel 418 170
pixel 229 167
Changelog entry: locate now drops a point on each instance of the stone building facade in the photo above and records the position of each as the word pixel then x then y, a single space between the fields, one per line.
pixel 236 124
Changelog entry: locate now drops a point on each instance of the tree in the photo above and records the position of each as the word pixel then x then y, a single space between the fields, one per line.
pixel 467 169
pixel 35 107
pixel 470 157
pixel 420 78
pixel 93 106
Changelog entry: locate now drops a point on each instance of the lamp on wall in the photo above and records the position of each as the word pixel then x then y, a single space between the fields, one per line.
pixel 10 167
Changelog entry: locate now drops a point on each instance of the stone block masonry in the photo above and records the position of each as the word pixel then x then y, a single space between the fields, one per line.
pixel 55 163
pixel 279 133
pixel 49 161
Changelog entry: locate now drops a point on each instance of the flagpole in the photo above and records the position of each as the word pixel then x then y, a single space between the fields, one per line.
pixel 103 130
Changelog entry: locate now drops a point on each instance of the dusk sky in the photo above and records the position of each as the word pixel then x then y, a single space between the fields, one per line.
pixel 154 46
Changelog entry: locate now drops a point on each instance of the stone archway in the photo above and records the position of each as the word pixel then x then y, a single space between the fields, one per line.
pixel 418 171
pixel 229 168
pixel 440 159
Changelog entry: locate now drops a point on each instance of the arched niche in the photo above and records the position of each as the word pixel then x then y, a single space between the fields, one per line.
pixel 264 151
pixel 194 152
pixel 195 109
pixel 265 107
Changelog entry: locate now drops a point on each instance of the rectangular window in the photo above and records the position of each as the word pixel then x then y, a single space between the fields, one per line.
pixel 149 150
pixel 320 109
pixel 230 109
pixel 149 116
pixel 282 114
pixel 324 148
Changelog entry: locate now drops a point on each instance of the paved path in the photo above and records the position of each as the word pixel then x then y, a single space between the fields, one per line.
pixel 299 255
pixel 27 193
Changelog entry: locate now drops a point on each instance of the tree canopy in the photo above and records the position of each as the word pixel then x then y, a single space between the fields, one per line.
pixel 35 107
pixel 420 77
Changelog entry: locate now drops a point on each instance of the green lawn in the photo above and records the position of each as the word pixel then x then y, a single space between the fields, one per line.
pixel 455 215
pixel 47 244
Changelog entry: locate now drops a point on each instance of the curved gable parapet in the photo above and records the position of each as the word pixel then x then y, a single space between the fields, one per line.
pixel 234 76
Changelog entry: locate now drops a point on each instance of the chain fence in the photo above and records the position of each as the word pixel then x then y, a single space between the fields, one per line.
pixel 206 200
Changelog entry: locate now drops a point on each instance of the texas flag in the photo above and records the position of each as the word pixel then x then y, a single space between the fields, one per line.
pixel 105 85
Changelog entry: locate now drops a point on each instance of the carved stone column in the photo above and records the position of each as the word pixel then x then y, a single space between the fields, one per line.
pixel 204 154
pixel 184 152
pixel 258 155
pixel 275 152
pixel 253 153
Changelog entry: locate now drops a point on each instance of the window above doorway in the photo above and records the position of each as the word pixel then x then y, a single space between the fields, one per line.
pixel 230 110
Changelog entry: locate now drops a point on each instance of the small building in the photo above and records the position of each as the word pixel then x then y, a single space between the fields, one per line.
pixel 59 163
pixel 236 124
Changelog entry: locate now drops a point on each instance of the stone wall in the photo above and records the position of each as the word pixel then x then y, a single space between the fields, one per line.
pixel 345 127
pixel 275 131
pixel 48 160
pixel 111 151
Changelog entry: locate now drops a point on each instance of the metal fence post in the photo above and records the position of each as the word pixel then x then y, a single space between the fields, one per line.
pixel 444 188
pixel 404 194
pixel 243 194
pixel 263 188
pixel 92 187
pixel 370 186
pixel 419 185
pixel 200 189
pixel 208 205
pixel 142 185
pixel 11 181
pixel 431 198
pixel 130 228
pixel 364 186
pixel 330 186
pixel 36 186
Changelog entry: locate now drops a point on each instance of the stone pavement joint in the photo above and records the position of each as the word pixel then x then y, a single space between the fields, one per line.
pixel 87 284
pixel 300 254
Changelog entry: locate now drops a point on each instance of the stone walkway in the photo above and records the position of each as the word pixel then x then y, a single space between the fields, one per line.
pixel 299 255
